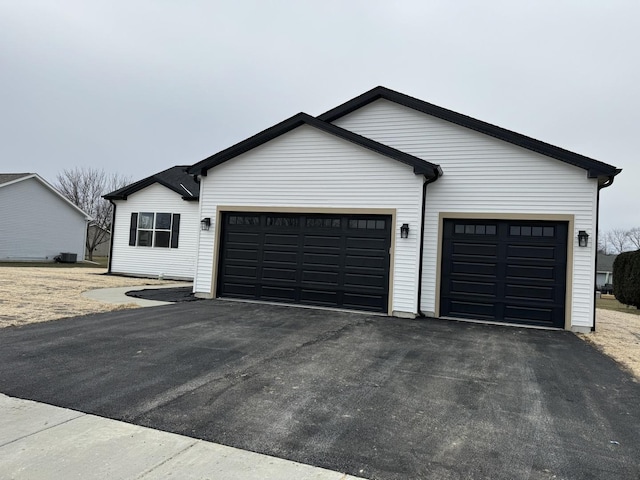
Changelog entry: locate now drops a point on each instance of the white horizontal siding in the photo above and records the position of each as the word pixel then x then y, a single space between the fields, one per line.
pixel 486 175
pixel 36 224
pixel 307 168
pixel 150 261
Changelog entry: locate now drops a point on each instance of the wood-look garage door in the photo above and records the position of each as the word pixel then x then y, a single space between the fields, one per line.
pixel 505 271
pixel 328 260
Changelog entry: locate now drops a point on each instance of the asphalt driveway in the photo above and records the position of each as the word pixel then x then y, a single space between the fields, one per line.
pixel 371 396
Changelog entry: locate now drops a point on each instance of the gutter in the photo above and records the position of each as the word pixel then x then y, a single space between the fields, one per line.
pixel 438 174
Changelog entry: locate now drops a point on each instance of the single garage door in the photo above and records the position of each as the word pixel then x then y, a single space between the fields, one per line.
pixel 328 260
pixel 506 271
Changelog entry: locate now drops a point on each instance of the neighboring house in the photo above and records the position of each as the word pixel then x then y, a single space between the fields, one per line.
pixel 102 249
pixel 36 221
pixel 156 226
pixel 604 274
pixel 315 211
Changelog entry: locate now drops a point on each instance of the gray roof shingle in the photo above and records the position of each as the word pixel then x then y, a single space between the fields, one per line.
pixel 604 262
pixel 10 177
pixel 174 178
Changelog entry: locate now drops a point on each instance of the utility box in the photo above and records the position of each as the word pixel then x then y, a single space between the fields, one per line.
pixel 68 257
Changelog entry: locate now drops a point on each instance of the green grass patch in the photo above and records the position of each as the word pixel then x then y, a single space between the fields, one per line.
pixel 613 304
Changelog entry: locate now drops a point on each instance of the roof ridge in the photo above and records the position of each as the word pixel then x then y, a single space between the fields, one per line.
pixel 420 166
pixel 595 168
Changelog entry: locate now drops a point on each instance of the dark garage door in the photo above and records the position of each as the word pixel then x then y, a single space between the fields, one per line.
pixel 328 260
pixel 506 271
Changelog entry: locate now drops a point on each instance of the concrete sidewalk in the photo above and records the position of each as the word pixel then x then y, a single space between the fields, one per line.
pixel 118 295
pixel 39 441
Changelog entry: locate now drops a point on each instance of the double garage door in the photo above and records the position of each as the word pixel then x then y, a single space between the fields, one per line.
pixel 314 259
pixel 507 271
pixel 498 270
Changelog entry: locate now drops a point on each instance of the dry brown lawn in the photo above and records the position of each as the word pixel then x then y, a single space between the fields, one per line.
pixel 618 335
pixel 39 294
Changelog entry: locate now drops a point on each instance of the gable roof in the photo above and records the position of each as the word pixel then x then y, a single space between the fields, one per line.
pixel 7 179
pixel 175 178
pixel 428 169
pixel 595 169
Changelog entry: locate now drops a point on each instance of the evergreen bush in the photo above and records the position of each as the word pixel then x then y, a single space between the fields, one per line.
pixel 626 278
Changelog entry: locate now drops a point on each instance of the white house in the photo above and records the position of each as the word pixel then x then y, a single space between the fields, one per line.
pixel 604 275
pixel 102 249
pixel 156 226
pixel 391 204
pixel 37 222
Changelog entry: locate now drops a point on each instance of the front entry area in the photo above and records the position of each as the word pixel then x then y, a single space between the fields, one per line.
pixel 333 260
pixel 507 271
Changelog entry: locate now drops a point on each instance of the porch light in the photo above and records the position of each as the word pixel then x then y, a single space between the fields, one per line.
pixel 583 237
pixel 205 223
pixel 404 230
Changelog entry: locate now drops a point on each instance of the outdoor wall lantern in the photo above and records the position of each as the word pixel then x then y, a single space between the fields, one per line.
pixel 205 223
pixel 583 237
pixel 404 230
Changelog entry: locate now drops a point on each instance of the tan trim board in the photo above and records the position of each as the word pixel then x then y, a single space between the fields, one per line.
pixel 569 289
pixel 220 209
pixel 559 217
pixel 216 253
pixel 569 218
pixel 327 210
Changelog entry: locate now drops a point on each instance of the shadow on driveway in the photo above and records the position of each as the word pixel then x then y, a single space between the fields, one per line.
pixel 371 396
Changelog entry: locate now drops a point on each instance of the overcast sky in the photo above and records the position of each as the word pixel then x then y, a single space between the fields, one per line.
pixel 137 86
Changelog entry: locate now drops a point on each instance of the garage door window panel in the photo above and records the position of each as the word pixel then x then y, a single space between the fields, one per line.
pixel 367 224
pixel 324 222
pixel 467 229
pixel 282 222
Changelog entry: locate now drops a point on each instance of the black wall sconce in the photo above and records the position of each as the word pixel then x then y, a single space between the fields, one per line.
pixel 205 223
pixel 583 238
pixel 404 230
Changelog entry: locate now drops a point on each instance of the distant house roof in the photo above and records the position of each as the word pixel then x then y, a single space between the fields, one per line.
pixel 7 179
pixel 12 177
pixel 604 262
pixel 595 169
pixel 420 166
pixel 174 178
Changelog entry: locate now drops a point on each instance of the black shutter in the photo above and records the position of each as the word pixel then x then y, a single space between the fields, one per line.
pixel 175 230
pixel 133 229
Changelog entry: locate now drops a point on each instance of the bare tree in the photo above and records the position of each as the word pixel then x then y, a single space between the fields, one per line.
pixel 603 247
pixel 84 187
pixel 618 240
pixel 634 237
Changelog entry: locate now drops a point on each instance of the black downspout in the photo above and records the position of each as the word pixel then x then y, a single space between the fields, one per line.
pixel 113 222
pixel 595 267
pixel 424 205
pixel 595 278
